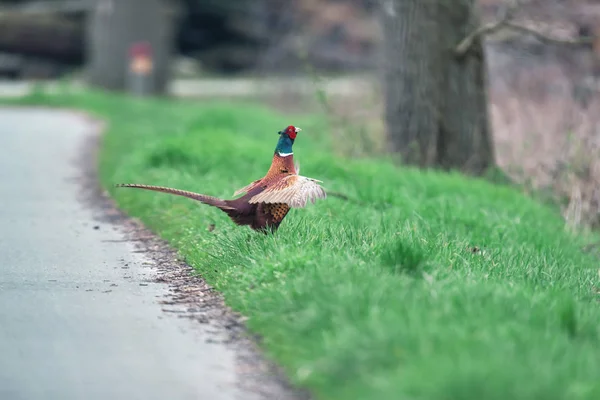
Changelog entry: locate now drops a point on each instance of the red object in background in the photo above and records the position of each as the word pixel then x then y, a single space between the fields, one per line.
pixel 140 49
pixel 140 55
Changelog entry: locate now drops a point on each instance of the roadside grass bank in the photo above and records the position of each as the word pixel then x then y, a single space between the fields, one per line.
pixel 423 286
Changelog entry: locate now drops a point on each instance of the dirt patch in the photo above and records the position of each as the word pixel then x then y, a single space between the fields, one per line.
pixel 189 296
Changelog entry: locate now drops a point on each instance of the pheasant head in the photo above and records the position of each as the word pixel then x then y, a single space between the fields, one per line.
pixel 286 140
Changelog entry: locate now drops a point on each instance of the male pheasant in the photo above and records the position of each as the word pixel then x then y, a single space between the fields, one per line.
pixel 268 200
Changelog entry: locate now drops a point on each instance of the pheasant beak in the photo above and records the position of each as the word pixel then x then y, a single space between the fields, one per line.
pixel 297 129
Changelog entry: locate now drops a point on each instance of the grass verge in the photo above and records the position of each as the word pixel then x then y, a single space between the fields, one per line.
pixel 435 286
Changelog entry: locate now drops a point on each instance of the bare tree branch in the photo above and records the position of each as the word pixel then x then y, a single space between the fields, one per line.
pixel 505 14
pixel 504 22
pixel 542 37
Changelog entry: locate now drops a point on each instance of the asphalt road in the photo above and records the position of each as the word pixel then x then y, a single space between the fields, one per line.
pixel 79 313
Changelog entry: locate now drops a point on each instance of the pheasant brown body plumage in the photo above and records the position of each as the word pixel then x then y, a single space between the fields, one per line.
pixel 266 201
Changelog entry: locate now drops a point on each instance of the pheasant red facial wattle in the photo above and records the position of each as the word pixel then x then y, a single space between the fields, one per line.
pixel 292 131
pixel 266 201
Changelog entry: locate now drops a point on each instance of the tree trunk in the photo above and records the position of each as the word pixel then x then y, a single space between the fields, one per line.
pixel 114 26
pixel 436 103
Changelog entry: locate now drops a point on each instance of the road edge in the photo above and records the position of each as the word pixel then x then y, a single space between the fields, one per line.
pixel 187 289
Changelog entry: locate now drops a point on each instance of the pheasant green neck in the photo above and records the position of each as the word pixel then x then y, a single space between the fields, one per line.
pixel 284 146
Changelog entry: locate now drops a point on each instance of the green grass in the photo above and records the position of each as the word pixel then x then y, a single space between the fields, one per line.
pixel 441 287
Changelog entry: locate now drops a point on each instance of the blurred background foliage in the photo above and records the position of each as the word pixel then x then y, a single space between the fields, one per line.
pixel 542 89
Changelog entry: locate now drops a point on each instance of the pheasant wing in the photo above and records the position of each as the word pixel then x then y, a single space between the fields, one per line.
pixel 247 188
pixel 293 190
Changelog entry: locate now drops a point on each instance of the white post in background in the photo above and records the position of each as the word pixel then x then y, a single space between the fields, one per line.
pixel 140 70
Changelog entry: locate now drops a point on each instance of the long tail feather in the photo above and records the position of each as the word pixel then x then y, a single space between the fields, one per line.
pixel 212 201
